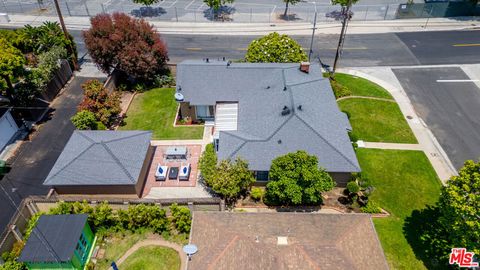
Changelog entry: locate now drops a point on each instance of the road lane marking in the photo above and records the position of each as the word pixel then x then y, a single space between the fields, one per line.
pixel 352 48
pixel 458 80
pixel 193 49
pixel 467 45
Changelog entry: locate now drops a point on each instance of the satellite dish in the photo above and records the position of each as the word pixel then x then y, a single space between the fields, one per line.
pixel 178 96
pixel 190 250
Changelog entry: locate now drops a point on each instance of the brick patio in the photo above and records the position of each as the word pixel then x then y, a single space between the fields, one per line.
pixel 193 155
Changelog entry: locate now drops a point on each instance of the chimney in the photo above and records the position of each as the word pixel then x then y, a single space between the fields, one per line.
pixel 305 67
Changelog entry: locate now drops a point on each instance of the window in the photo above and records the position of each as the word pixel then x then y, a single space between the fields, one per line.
pixel 204 112
pixel 261 176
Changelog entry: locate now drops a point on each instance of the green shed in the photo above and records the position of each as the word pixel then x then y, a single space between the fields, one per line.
pixel 59 242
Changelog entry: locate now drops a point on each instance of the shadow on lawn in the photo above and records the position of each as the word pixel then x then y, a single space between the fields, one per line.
pixel 419 229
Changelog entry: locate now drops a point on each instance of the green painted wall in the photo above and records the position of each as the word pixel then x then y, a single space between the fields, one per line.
pixel 76 263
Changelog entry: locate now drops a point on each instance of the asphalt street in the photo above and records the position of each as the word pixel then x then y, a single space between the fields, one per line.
pixel 38 156
pixel 360 50
pixel 449 107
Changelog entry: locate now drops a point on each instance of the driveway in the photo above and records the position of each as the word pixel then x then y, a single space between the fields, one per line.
pixel 36 157
pixel 449 107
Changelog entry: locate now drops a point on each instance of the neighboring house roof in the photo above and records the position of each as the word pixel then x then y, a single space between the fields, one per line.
pixel 101 158
pixel 262 91
pixel 285 241
pixel 54 238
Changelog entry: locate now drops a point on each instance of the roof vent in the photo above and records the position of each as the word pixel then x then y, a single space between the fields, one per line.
pixel 305 67
pixel 279 141
pixel 300 108
pixel 223 58
pixel 207 60
pixel 257 239
pixel 282 240
pixel 285 111
pixel 229 63
pixel 285 88
pixel 268 87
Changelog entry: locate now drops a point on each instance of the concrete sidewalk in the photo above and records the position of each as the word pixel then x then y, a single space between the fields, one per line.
pixel 226 28
pixel 392 146
pixel 427 142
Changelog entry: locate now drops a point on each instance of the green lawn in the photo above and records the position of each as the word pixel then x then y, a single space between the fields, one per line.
pixel 404 181
pixel 116 245
pixel 155 110
pixel 362 87
pixel 377 121
pixel 152 258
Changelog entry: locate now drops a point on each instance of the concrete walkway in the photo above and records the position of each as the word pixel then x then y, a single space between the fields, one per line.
pixel 155 241
pixel 426 140
pixel 375 98
pixel 393 146
pixel 295 28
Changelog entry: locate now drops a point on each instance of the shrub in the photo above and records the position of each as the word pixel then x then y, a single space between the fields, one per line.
pixel 181 218
pixel 164 81
pixel 339 89
pixel 105 105
pixel 275 48
pixel 207 164
pixel 295 178
pixel 352 137
pixel 84 120
pixel 371 208
pixel 13 265
pixel 31 224
pixel 353 187
pixel 257 193
pixel 101 126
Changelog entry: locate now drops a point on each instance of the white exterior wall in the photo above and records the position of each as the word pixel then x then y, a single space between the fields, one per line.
pixel 8 128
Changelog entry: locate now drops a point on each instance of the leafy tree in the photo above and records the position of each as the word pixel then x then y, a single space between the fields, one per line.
pixel 344 3
pixel 295 178
pixel 257 193
pixel 459 206
pixel 181 218
pixel 217 4
pixel 84 120
pixel 207 164
pixel 289 2
pixel 232 178
pixel 275 48
pixel 130 45
pixel 146 2
pixel 11 62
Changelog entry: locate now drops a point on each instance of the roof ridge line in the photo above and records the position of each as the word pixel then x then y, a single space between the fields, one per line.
pixel 71 161
pixel 81 133
pixel 105 146
pixel 127 137
pixel 311 81
pixel 326 141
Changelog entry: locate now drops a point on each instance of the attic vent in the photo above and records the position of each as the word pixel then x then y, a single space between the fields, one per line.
pixel 300 108
pixel 279 141
pixel 285 111
pixel 282 240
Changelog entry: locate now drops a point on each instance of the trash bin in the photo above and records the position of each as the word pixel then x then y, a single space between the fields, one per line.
pixel 3 167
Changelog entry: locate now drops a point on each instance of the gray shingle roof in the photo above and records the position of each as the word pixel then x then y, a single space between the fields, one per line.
pixel 54 238
pixel 101 158
pixel 262 90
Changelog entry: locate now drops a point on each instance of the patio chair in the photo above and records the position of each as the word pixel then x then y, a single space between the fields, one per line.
pixel 185 172
pixel 161 173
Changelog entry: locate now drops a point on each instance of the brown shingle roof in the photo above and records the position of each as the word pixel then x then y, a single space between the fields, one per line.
pixel 315 241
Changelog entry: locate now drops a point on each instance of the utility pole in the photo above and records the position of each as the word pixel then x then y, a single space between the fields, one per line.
pixel 346 19
pixel 313 35
pixel 65 32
